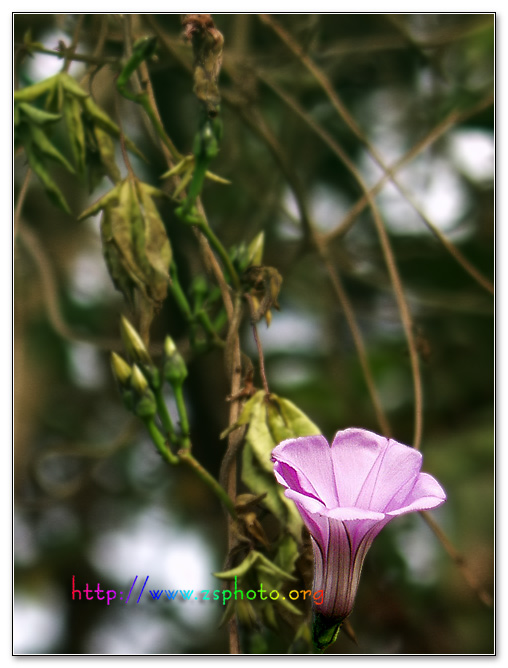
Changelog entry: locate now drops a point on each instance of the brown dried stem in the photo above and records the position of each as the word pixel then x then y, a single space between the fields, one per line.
pixel 21 200
pixel 232 353
pixel 458 559
pixel 50 292
pixel 273 144
pixel 75 39
pixel 338 105
pixel 453 118
pixel 257 124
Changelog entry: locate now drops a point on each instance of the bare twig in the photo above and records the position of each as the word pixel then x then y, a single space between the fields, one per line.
pixel 21 200
pixel 458 559
pixel 232 353
pixel 75 39
pixel 338 105
pixel 348 220
pixel 257 124
pixel 50 292
pixel 357 338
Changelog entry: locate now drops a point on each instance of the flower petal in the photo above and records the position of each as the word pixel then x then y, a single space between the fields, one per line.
pixel 312 512
pixel 350 514
pixel 427 493
pixel 305 465
pixel 391 478
pixel 371 471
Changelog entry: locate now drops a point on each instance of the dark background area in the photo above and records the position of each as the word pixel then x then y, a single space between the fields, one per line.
pixel 92 497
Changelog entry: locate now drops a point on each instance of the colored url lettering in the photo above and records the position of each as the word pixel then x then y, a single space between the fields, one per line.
pixel 224 595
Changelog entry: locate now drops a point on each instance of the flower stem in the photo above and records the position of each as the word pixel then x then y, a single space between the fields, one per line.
pixel 178 293
pixel 221 251
pixel 209 480
pixel 182 413
pixel 160 442
pixel 162 411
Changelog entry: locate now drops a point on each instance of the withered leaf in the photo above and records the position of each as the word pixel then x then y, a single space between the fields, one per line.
pixel 135 243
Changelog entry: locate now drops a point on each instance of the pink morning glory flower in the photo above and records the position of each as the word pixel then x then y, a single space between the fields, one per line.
pixel 346 493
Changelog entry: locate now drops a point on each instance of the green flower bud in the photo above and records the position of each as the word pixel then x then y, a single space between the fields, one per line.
pixel 144 402
pixel 174 370
pixel 134 343
pixel 152 375
pixel 128 400
pixel 146 406
pixel 138 380
pixel 169 347
pixel 255 250
pixel 121 370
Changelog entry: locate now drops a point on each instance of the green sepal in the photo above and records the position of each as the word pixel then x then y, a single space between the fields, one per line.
pixel 146 406
pixel 324 630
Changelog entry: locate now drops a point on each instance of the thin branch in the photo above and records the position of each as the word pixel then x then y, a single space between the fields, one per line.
pixel 232 353
pixel 93 68
pixel 454 118
pixel 342 111
pixel 259 347
pixel 348 220
pixel 21 200
pixel 75 39
pixel 459 560
pixel 235 439
pixel 357 338
pixel 265 133
pixel 78 57
pixel 50 292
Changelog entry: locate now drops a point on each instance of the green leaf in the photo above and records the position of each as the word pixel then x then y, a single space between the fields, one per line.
pixel 259 436
pixel 297 423
pixel 102 203
pixel 101 119
pixel 71 86
pixel 76 132
pixel 31 93
pixel 270 420
pixel 285 420
pixel 260 562
pixel 55 98
pixel 287 553
pixel 50 186
pixel 38 116
pixel 157 249
pixel 135 244
pixel 245 414
pixel 42 142
pixel 240 570
pixel 106 149
pixel 260 481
